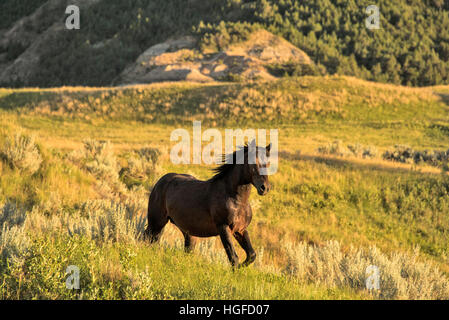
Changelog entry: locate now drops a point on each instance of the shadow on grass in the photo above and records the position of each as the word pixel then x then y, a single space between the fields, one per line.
pixel 355 163
pixel 21 99
pixel 444 97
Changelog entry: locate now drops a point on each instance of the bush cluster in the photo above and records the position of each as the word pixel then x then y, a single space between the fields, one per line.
pixel 215 38
pixel 22 152
pixel 402 275
pixel 406 154
pixel 355 150
pixel 14 242
pixel 142 164
pixel 108 221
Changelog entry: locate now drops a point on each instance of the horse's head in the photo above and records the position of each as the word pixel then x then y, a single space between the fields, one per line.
pixel 256 167
pixel 252 163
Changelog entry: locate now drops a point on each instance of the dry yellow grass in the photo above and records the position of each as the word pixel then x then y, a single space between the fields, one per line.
pixel 316 198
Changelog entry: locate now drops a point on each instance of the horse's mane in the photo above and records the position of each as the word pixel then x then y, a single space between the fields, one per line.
pixel 228 162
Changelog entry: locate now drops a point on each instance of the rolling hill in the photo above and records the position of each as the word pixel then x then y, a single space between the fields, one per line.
pixel 411 48
pixel 363 119
pixel 337 206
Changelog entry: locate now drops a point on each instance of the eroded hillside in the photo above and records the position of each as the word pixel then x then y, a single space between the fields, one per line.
pixel 411 48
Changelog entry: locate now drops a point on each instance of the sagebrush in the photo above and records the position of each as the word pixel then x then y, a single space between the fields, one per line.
pixel 22 152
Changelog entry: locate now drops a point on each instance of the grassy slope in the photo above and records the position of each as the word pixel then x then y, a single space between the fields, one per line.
pixel 123 271
pixel 315 198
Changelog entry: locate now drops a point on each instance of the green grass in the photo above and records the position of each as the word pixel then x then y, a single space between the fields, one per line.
pixel 315 198
pixel 122 271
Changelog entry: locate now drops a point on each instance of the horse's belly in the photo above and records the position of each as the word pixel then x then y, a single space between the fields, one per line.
pixel 196 222
pixel 195 226
pixel 204 233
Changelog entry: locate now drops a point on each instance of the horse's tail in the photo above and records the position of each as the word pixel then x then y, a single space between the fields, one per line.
pixel 157 211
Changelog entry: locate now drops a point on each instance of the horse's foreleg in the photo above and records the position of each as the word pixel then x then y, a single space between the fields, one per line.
pixel 225 236
pixel 244 241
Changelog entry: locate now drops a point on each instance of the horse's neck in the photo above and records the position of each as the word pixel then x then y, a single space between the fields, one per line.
pixel 237 188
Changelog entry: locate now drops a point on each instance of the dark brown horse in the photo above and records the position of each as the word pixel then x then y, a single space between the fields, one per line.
pixel 218 206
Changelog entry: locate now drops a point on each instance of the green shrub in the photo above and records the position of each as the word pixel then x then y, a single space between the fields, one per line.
pixel 107 221
pixel 11 215
pixel 356 150
pixel 361 151
pixel 142 164
pixel 22 152
pixel 335 148
pixel 405 154
pixel 14 242
pixel 402 275
pixel 98 158
pixel 214 38
pixel 295 69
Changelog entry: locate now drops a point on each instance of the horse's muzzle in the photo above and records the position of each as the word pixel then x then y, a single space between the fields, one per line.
pixel 263 189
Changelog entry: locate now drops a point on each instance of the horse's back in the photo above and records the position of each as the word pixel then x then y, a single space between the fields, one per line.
pixel 174 176
pixel 184 188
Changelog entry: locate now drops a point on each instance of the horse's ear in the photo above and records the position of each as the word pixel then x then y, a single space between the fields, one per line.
pixel 268 148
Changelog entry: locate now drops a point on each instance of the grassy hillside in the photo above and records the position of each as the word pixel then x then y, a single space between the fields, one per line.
pixel 331 213
pixel 411 48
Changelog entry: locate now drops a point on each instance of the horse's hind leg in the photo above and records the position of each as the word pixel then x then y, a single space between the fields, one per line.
pixel 157 219
pixel 188 242
pixel 244 241
pixel 154 230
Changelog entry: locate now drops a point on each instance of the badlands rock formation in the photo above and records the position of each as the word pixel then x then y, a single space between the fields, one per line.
pixel 179 59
